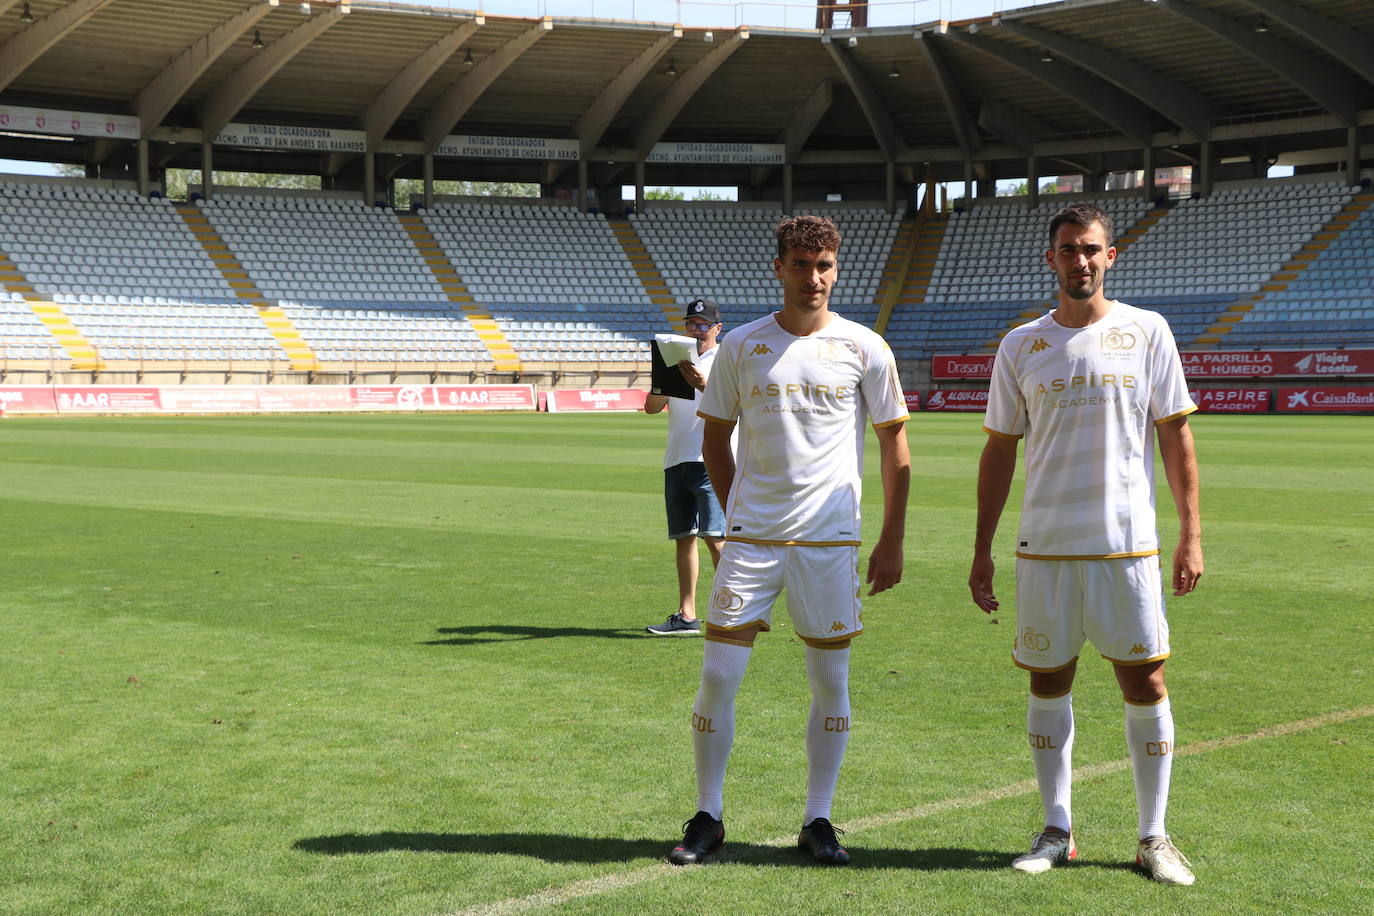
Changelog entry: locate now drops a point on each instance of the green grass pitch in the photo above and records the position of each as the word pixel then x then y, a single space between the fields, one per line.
pixel 395 664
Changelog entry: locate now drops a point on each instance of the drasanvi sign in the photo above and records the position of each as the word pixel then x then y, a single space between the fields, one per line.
pixel 285 136
pixel 476 146
pixel 718 153
pixel 68 123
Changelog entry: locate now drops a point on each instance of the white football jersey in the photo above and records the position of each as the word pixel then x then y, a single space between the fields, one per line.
pixel 1087 401
pixel 801 404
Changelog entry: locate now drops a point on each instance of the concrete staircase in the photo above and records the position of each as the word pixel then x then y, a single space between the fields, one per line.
pixel 649 277
pixel 909 268
pixel 286 334
pixel 1290 271
pixel 79 350
pixel 503 355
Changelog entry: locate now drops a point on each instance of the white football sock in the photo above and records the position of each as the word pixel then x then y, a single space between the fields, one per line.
pixel 713 720
pixel 1150 739
pixel 1049 722
pixel 827 729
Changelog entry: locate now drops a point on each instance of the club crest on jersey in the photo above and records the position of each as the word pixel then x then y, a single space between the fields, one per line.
pixel 837 351
pixel 1117 339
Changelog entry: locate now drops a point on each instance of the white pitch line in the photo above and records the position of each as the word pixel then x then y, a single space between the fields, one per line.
pixel 616 881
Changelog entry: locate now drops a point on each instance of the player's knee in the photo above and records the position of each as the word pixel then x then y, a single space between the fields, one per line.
pixel 1051 684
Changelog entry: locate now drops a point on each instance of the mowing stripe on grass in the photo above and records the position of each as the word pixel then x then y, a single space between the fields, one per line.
pixel 616 881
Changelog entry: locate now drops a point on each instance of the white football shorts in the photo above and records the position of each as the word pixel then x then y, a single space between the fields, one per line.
pixel 1116 604
pixel 822 591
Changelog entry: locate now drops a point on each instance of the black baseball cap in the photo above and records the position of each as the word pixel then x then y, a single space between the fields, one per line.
pixel 704 309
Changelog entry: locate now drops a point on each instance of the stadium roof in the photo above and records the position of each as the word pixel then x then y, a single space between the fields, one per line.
pixel 1084 84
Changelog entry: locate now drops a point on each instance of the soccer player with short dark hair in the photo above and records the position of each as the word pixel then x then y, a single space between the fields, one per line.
pixel 800 384
pixel 1089 386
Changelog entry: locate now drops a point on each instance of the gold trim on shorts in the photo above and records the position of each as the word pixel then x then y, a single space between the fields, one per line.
pixel 1020 664
pixel 1137 661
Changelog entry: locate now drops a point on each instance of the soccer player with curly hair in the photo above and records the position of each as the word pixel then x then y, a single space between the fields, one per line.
pixel 800 384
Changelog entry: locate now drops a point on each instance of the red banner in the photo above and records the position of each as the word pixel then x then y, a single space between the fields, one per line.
pixel 947 366
pixel 304 398
pixel 1231 400
pixel 206 399
pixel 913 400
pixel 1277 363
pixel 957 400
pixel 91 399
pixel 106 399
pixel 596 399
pixel 1325 399
pixel 484 397
pixel 1202 364
pixel 28 399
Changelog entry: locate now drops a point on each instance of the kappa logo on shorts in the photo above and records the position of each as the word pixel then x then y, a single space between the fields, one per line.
pixel 760 350
pixel 836 627
pixel 1040 344
pixel 726 600
pixel 1138 649
pixel 1035 642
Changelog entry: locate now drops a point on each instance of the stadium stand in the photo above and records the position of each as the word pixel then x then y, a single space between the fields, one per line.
pixel 1204 258
pixel 127 273
pixel 1330 300
pixel 22 335
pixel 726 255
pixel 329 249
pixel 556 280
pixel 1278 265
pixel 361 332
pixel 1208 254
pixel 82 241
pixel 989 271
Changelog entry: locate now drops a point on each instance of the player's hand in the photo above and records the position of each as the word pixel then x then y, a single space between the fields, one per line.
pixel 1187 567
pixel 692 374
pixel 884 566
pixel 980 584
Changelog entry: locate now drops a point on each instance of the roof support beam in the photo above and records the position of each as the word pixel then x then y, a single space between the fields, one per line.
pixel 164 90
pixel 671 103
pixel 28 44
pixel 167 88
pixel 800 128
pixel 229 97
pixel 591 127
pixel 884 130
pixel 439 121
pixel 1107 102
pixel 964 129
pixel 1177 102
pixel 1327 86
pixel 1017 127
pixel 1348 47
pixel 382 113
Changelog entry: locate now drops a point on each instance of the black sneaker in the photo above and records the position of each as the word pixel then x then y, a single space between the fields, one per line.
pixel 701 836
pixel 819 837
pixel 675 625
